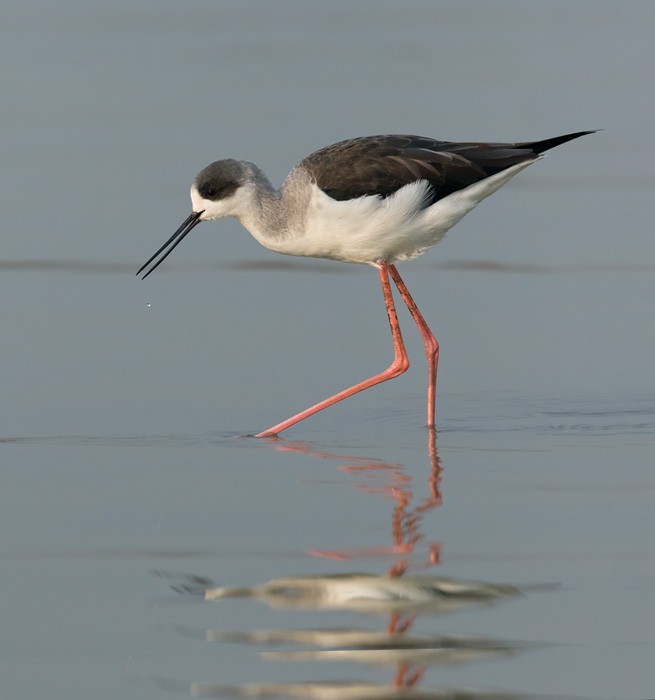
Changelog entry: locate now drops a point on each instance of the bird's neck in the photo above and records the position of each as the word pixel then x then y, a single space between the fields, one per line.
pixel 265 211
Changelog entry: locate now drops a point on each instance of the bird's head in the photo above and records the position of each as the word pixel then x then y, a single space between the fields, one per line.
pixel 223 188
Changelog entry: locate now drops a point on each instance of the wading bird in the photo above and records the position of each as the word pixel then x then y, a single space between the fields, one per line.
pixel 375 200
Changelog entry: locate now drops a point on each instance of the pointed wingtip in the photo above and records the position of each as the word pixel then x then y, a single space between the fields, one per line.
pixel 539 147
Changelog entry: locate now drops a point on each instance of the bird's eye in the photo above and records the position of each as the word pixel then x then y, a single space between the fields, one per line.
pixel 214 192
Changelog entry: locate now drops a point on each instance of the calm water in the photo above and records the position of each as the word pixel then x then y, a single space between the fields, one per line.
pixel 356 544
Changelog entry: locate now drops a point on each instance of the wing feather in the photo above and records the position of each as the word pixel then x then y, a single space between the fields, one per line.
pixel 381 165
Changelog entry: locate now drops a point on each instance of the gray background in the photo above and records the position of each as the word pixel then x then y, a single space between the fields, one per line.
pixel 120 397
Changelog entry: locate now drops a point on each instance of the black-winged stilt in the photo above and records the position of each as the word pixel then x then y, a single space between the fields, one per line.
pixel 375 200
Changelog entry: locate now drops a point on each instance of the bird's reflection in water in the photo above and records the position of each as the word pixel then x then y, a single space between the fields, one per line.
pixel 347 690
pixel 370 593
pixel 400 595
pixel 391 481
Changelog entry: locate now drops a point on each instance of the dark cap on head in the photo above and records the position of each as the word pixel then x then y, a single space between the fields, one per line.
pixel 219 179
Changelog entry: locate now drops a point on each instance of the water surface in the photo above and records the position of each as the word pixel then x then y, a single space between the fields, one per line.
pixel 125 491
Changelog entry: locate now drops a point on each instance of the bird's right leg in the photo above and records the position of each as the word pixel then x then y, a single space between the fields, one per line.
pixel 430 342
pixel 398 366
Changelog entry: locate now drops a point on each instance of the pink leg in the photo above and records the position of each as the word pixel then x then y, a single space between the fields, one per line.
pixel 398 366
pixel 430 342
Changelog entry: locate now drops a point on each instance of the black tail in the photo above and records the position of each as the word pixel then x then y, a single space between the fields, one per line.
pixel 541 146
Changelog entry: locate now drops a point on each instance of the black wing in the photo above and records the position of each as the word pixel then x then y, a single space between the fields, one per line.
pixel 380 165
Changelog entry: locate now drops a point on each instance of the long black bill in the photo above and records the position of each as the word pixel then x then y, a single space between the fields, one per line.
pixel 173 242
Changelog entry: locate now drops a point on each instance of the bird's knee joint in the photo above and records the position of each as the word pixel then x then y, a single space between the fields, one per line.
pixel 399 366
